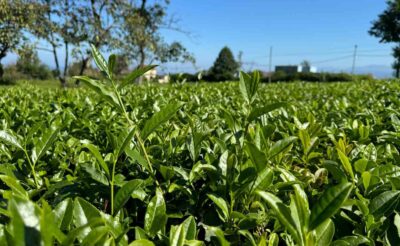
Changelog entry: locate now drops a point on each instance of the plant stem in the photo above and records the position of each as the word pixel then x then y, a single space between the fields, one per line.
pixel 137 136
pixel 32 168
pixel 112 186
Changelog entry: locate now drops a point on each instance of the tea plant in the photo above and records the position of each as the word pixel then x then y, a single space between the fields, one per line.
pixel 199 164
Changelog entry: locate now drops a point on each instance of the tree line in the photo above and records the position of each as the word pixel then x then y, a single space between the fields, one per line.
pixel 130 28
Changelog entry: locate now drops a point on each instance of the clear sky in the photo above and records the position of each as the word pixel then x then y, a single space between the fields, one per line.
pixel 316 30
pixel 321 31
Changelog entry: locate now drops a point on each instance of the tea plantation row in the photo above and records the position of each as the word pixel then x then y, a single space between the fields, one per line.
pixel 201 164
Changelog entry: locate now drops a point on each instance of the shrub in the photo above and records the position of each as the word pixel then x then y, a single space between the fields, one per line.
pixel 28 64
pixel 75 68
pixel 281 76
pixel 183 76
pixel 338 77
pixel 7 80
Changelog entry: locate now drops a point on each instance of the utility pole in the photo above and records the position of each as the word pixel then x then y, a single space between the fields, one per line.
pixel 354 59
pixel 270 65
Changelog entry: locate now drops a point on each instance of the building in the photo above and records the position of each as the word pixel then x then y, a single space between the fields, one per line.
pixel 150 75
pixel 164 79
pixel 295 69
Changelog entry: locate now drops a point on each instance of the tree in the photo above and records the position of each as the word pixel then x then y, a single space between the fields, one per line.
pixel 15 17
pixel 225 66
pixel 305 63
pixel 74 25
pixel 61 24
pixel 396 63
pixel 28 63
pixel 103 26
pixel 143 42
pixel 387 28
pixel 240 60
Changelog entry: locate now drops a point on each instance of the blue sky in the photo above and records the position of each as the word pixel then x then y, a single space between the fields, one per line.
pixel 316 30
pixel 320 31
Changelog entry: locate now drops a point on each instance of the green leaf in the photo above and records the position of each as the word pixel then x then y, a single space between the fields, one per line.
pixel 257 112
pixel 84 212
pixel 136 156
pixel 44 144
pixel 199 168
pixel 141 242
pixel 111 63
pixel 282 212
pixel 194 144
pixel 366 179
pixel 329 203
pixel 95 174
pixel 248 222
pixel 127 139
pixel 189 226
pixel 166 171
pixel 221 204
pixel 177 236
pixel 325 232
pixel 155 218
pixel 264 179
pixel 300 199
pixel 346 163
pixel 393 233
pixel 222 164
pixel 305 140
pixel 212 231
pixel 99 60
pixel 248 85
pixel 96 153
pixel 125 193
pixel 280 146
pixel 10 139
pixel 273 240
pixel 25 221
pixel 140 233
pixel 159 118
pixel 48 229
pixel 384 203
pixel 63 214
pixel 352 241
pixel 249 236
pixel 194 243
pixel 130 78
pixel 257 156
pixel 100 89
pixel 96 235
pixel 14 185
pixel 335 170
pixel 81 232
pixel 361 165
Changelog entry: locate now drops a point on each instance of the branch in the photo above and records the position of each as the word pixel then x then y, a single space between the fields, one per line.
pixel 44 49
pixel 172 25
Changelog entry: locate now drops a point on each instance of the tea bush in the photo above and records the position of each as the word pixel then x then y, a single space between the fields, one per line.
pixel 198 164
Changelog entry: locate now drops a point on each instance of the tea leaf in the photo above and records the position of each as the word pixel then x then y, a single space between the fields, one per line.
pixel 155 218
pixel 125 192
pixel 8 138
pixel 130 78
pixel 159 118
pixel 329 203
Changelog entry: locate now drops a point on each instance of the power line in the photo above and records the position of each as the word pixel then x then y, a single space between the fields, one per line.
pixel 374 55
pixel 333 59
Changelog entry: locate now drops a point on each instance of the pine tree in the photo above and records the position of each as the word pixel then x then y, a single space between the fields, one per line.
pixel 225 67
